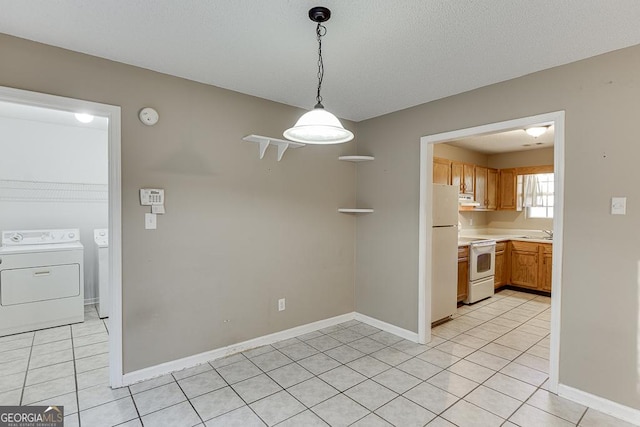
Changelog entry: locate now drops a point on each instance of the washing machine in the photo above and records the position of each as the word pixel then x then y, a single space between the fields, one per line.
pixel 41 280
pixel 101 238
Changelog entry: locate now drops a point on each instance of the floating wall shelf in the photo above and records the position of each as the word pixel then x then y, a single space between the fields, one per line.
pixel 355 211
pixel 356 159
pixel 265 141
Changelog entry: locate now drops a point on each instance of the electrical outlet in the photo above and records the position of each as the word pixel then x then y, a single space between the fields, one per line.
pixel 281 304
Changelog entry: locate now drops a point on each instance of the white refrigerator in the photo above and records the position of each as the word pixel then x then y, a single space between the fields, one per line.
pixel 444 250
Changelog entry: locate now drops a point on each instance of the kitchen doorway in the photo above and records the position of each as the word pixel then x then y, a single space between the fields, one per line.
pixel 556 119
pixel 112 115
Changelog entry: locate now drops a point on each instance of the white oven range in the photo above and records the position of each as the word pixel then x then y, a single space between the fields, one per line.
pixel 482 259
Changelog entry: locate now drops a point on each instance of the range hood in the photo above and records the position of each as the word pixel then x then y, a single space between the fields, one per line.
pixel 467 200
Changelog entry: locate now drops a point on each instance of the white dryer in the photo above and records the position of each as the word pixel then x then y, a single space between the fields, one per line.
pixel 101 238
pixel 41 280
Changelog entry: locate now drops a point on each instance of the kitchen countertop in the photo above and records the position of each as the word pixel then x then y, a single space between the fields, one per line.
pixel 530 236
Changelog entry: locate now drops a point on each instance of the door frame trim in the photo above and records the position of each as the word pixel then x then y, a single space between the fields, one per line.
pixel 556 118
pixel 113 113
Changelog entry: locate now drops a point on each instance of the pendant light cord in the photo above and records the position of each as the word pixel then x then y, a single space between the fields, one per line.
pixel 321 30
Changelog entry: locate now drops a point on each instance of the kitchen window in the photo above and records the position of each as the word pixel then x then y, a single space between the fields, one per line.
pixel 535 195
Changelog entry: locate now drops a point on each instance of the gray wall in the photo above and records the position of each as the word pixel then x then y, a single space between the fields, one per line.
pixel 239 232
pixel 600 316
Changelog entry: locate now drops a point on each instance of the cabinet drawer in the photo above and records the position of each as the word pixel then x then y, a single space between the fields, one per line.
pixel 463 251
pixel 500 246
pixel 524 246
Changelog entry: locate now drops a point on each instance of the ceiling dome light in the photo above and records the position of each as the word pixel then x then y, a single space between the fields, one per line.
pixel 536 131
pixel 84 118
pixel 319 126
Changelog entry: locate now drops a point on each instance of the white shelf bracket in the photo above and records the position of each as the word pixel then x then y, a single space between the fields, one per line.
pixel 281 149
pixel 263 148
pixel 264 142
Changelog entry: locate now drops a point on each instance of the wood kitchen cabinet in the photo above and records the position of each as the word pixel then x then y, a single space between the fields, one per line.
pixel 501 277
pixel 486 188
pixel 463 272
pixel 492 189
pixel 441 171
pixel 531 265
pixel 524 264
pixel 480 194
pixel 462 175
pixel 545 269
pixel 508 192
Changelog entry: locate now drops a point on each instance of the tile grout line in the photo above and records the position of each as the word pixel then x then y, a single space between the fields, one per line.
pixel 26 372
pixel 495 372
pixel 343 392
pixel 75 375
pixel 296 362
pixel 513 361
pixel 364 354
pixel 234 390
pixel 185 395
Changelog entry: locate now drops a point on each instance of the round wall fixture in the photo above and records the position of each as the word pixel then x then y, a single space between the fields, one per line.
pixel 148 116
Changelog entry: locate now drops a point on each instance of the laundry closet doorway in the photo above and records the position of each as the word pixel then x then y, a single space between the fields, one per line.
pixel 60 170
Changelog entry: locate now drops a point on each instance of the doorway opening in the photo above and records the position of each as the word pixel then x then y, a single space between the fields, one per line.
pixel 427 143
pixel 55 112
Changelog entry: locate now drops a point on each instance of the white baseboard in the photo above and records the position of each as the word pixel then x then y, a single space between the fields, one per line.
pixel 198 359
pixel 388 327
pixel 601 404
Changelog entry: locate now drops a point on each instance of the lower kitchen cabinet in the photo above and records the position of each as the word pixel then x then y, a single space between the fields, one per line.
pixel 463 272
pixel 501 276
pixel 545 269
pixel 531 265
pixel 524 264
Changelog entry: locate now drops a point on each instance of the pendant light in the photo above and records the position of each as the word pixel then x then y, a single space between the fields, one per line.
pixel 319 126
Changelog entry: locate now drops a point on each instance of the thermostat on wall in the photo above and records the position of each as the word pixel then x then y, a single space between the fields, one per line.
pixel 148 116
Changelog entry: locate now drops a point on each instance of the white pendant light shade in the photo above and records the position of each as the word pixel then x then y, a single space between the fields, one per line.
pixel 318 126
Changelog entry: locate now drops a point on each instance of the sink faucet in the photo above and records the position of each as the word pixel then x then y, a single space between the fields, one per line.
pixel 549 233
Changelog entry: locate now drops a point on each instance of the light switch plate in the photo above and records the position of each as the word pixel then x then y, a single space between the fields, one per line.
pixel 618 206
pixel 150 222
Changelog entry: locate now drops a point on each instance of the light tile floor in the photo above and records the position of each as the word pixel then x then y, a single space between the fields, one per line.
pixel 486 367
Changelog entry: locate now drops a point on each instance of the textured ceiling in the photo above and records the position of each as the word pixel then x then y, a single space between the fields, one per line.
pixel 380 56
pixel 506 142
pixel 47 115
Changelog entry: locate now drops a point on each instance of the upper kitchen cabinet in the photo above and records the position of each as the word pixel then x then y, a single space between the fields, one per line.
pixel 492 189
pixel 486 188
pixel 480 187
pixel 508 191
pixel 462 175
pixel 441 171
